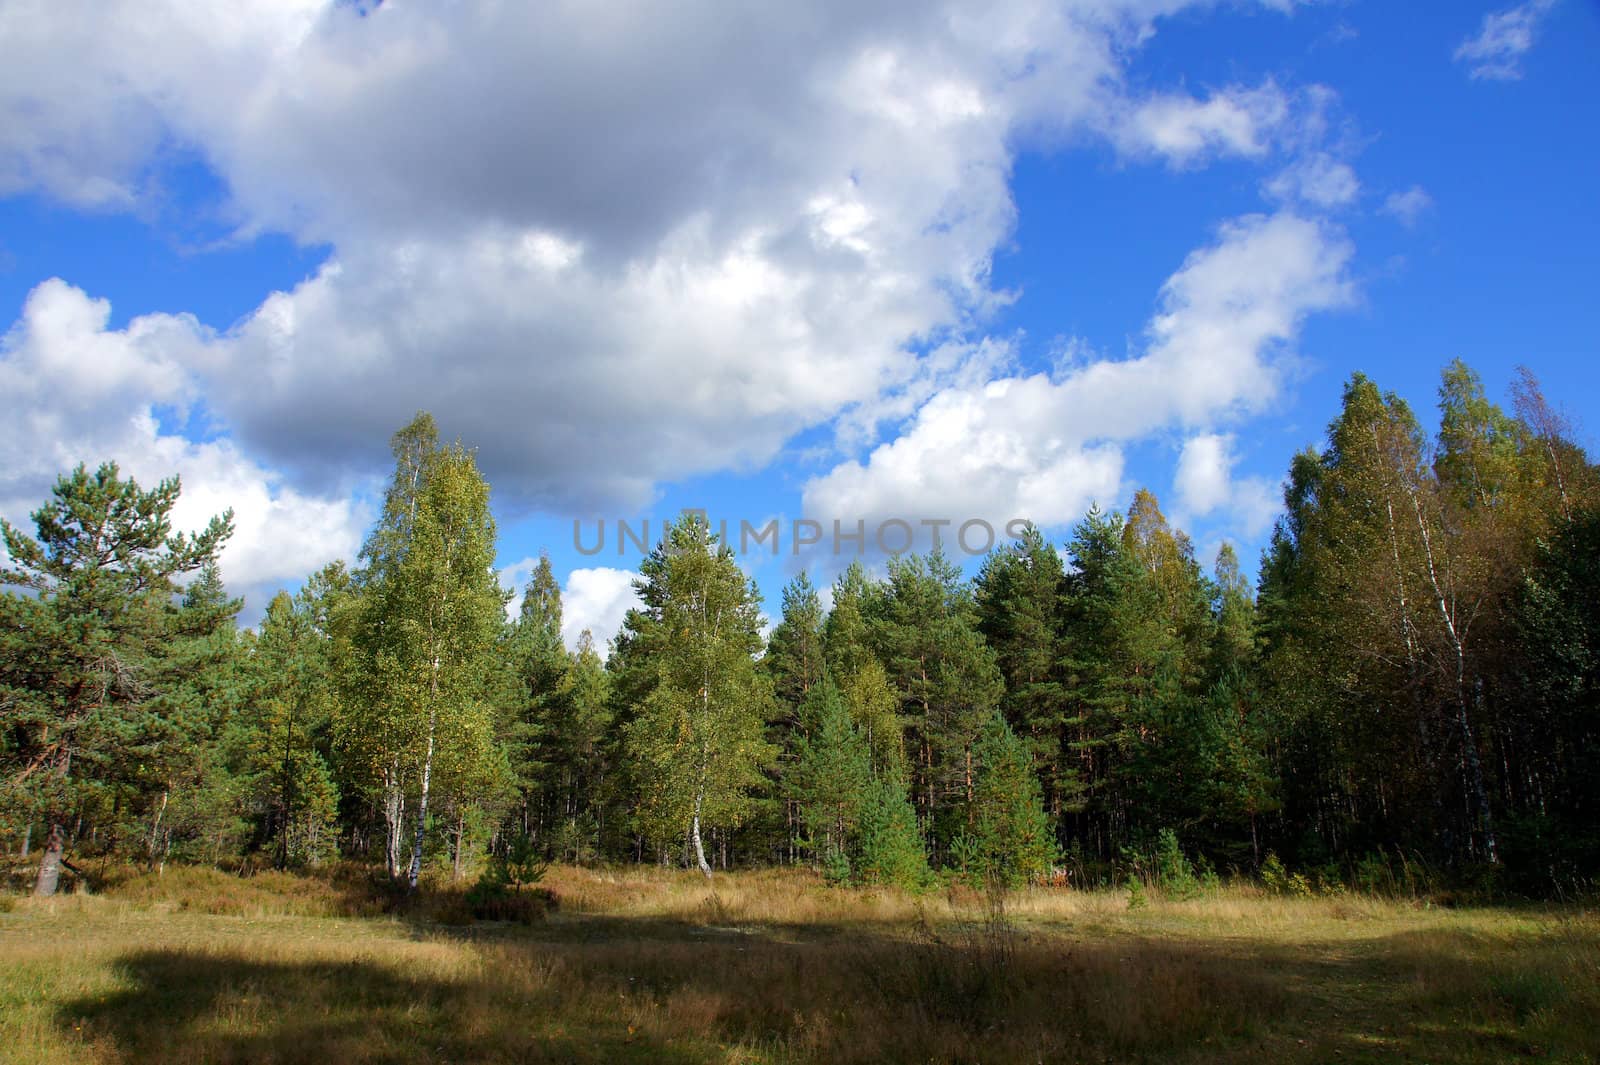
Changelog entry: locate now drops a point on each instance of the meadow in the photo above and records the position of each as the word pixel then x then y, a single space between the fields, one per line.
pixel 656 966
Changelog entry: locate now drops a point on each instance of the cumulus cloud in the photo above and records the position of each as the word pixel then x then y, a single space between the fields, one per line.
pixel 1042 447
pixel 1204 485
pixel 611 252
pixel 1503 39
pixel 1407 206
pixel 80 392
pixel 596 600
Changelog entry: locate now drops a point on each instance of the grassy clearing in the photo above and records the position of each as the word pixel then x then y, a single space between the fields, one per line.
pixel 643 965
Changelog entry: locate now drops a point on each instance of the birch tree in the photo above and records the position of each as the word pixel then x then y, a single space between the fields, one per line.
pixel 431 610
pixel 696 737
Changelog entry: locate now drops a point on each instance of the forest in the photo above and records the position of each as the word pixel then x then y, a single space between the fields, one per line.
pixel 1408 698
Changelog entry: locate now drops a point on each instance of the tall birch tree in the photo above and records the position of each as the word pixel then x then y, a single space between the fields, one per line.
pixel 696 736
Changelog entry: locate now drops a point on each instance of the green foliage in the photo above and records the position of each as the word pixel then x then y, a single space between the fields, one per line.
pixel 1008 840
pixel 518 865
pixel 889 847
pixel 97 713
pixel 428 618
pixel 832 770
pixel 924 626
pixel 1174 874
pixel 695 738
pixel 1409 698
pixel 1279 880
pixel 1019 598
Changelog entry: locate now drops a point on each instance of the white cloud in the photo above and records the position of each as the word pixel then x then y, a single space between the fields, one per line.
pixel 597 600
pixel 1205 484
pixel 1318 180
pixel 1042 448
pixel 79 391
pixel 1409 205
pixel 1203 472
pixel 611 251
pixel 594 599
pixel 1503 39
pixel 1184 130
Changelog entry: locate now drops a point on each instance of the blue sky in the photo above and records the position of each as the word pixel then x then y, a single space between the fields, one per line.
pixel 855 262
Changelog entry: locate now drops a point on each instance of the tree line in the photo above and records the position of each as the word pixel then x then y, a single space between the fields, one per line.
pixel 1414 682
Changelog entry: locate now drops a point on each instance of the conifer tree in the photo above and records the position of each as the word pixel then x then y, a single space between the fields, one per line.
pixel 284 729
pixel 832 770
pixel 889 848
pixel 925 624
pixel 539 710
pixel 1019 597
pixel 795 650
pixel 79 653
pixel 1009 839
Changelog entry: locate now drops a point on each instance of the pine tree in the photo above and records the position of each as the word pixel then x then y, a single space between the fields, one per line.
pixel 833 767
pixel 539 706
pixel 925 625
pixel 78 661
pixel 1019 598
pixel 1009 840
pixel 889 847
pixel 847 643
pixel 584 751
pixel 794 661
pixel 199 680
pixel 794 655
pixel 284 729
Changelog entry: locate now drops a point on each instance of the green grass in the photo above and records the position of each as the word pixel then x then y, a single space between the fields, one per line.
pixel 648 966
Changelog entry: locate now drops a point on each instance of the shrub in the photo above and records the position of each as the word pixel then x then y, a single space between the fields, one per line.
pixel 505 891
pixel 1372 874
pixel 488 900
pixel 1173 871
pixel 1280 881
pixel 836 866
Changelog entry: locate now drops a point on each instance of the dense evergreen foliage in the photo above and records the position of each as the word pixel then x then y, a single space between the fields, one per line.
pixel 1416 682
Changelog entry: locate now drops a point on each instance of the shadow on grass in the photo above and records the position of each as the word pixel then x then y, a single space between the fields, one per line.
pixel 185 1006
pixel 608 989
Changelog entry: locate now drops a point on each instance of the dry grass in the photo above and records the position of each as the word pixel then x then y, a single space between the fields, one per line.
pixel 645 965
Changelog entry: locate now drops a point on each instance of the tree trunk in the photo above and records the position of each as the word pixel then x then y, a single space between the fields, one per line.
pixel 460 834
pixel 155 827
pixel 1471 763
pixel 694 836
pixel 422 811
pixel 50 864
pixel 394 809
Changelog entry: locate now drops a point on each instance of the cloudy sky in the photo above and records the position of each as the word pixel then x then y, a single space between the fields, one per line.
pixel 830 261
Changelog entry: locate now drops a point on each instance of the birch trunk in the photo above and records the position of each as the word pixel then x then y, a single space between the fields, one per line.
pixel 394 809
pixel 422 809
pixel 694 836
